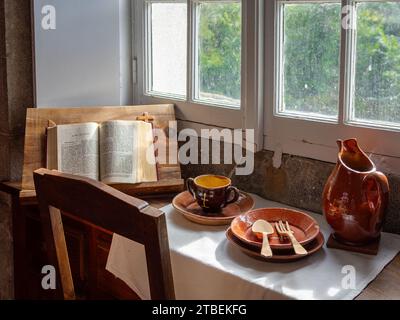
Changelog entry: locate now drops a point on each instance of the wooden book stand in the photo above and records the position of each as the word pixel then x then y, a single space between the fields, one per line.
pixel 160 115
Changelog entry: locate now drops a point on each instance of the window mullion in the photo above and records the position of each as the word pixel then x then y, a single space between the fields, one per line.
pixel 148 48
pixel 348 56
pixel 190 50
pixel 343 78
pixel 278 62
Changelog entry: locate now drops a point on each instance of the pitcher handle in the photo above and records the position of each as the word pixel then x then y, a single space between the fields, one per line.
pixel 376 181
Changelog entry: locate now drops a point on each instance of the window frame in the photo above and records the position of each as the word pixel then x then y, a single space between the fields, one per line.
pixel 316 137
pixel 279 67
pixel 192 89
pixel 349 95
pixel 249 115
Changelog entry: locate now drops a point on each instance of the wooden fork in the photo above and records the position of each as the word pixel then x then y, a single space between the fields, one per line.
pixel 284 230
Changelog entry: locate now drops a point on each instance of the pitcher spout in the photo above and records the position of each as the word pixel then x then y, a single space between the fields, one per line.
pixel 340 144
pixel 352 157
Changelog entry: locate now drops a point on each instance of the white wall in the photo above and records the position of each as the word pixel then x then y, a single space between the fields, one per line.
pixel 85 61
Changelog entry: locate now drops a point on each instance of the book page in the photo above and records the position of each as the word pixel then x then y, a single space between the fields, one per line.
pixel 147 168
pixel 118 160
pixel 78 149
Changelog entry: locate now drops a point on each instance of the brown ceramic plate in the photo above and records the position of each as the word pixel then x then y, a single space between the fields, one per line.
pixel 305 228
pixel 280 256
pixel 188 206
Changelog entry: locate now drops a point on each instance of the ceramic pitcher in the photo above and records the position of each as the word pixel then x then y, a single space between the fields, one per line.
pixel 355 196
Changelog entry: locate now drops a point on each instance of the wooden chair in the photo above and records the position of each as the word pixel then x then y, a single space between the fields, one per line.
pixel 110 209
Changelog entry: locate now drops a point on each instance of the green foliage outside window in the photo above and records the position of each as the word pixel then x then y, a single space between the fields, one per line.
pixel 220 49
pixel 378 62
pixel 311 57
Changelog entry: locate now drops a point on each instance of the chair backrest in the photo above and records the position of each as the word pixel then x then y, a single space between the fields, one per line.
pixel 107 208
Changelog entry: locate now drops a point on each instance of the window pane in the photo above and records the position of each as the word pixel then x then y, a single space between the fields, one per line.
pixel 168 50
pixel 218 56
pixel 311 51
pixel 377 84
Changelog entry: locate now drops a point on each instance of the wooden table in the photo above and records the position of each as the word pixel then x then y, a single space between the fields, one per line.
pixel 385 286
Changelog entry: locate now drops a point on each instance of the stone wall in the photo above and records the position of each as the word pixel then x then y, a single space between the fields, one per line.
pixel 16 94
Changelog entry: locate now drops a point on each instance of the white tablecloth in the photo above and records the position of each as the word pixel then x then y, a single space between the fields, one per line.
pixel 206 266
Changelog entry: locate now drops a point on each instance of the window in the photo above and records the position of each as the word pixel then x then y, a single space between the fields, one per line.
pixel 377 64
pixel 166 62
pixel 325 77
pixel 218 40
pixel 336 75
pixel 202 56
pixel 216 49
pixel 309 57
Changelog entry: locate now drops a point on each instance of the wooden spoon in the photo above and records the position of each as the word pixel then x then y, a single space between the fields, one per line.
pixel 265 228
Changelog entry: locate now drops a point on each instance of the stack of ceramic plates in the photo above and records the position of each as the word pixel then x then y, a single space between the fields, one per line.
pixel 305 229
pixel 189 208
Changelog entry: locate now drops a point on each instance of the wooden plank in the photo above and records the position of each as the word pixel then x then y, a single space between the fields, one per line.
pixel 62 253
pixel 35 139
pixel 171 186
pixel 12 188
pixel 162 186
pixel 386 286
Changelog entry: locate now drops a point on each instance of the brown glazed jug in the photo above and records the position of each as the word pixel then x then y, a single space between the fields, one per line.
pixel 355 196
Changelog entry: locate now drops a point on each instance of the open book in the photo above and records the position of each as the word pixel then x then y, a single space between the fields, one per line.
pixel 113 151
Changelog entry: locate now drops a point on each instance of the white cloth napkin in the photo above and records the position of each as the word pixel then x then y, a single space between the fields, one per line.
pixel 127 261
pixel 206 266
